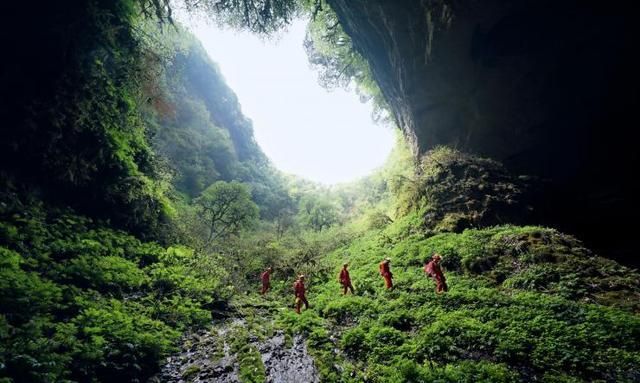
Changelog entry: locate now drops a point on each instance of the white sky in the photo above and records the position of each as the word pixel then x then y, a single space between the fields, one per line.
pixel 323 136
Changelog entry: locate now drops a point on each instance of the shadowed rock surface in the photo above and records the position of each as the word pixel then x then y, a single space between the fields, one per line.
pixel 465 191
pixel 284 364
pixel 549 88
pixel 207 357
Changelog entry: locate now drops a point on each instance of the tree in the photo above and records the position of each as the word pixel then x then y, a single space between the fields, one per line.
pixel 284 220
pixel 226 208
pixel 339 65
pixel 258 16
pixel 377 219
pixel 318 213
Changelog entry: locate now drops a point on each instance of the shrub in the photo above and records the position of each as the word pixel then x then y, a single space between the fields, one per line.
pixel 354 342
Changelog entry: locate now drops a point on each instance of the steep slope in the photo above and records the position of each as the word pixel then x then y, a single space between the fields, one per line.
pixel 70 100
pixel 507 317
pixel 525 303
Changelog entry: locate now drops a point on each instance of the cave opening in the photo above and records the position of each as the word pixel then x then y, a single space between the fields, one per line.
pixel 327 134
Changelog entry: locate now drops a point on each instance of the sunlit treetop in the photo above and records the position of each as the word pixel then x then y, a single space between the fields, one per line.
pixel 257 16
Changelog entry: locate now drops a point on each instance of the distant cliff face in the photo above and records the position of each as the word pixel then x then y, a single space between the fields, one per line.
pixel 204 135
pixel 549 88
pixel 200 129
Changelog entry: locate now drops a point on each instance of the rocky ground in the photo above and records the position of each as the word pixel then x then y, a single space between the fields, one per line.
pixel 287 364
pixel 208 356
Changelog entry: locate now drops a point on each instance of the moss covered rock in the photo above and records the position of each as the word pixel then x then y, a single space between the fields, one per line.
pixel 465 191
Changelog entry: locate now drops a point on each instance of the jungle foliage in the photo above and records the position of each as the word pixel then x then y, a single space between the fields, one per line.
pixel 339 65
pixel 135 204
pixel 199 127
pixel 526 303
pixel 83 302
pixel 72 127
pixel 538 316
pixel 86 183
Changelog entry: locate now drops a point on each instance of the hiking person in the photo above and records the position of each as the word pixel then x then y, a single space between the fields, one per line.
pixel 299 290
pixel 385 271
pixel 345 279
pixel 266 280
pixel 434 270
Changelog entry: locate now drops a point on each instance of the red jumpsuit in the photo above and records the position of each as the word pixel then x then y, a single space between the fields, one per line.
pixel 265 277
pixel 434 271
pixel 345 280
pixel 386 274
pixel 299 290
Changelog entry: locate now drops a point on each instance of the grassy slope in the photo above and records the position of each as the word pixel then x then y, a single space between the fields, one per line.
pixel 525 303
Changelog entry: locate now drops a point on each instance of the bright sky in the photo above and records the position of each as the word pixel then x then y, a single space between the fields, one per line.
pixel 323 136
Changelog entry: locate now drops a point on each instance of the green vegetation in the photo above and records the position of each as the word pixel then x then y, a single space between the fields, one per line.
pixel 84 302
pixel 331 53
pixel 263 17
pixel 223 209
pixel 135 206
pixel 525 302
pixel 88 179
pixel 73 128
pixel 200 129
pixel 482 329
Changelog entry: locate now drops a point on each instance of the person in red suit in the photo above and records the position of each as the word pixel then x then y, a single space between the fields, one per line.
pixel 345 279
pixel 300 292
pixel 433 269
pixel 385 271
pixel 266 280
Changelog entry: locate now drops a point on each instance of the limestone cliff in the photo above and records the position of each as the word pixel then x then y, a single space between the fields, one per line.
pixel 549 88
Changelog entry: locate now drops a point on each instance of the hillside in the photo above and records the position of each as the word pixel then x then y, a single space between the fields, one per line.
pixel 525 303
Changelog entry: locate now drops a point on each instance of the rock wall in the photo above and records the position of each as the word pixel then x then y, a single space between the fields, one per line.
pixel 550 88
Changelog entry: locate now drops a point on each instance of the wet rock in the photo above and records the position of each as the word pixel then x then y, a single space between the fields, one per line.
pixel 291 365
pixel 197 363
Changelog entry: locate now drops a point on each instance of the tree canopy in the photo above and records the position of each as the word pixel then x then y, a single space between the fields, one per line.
pixel 339 65
pixel 226 208
pixel 258 16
